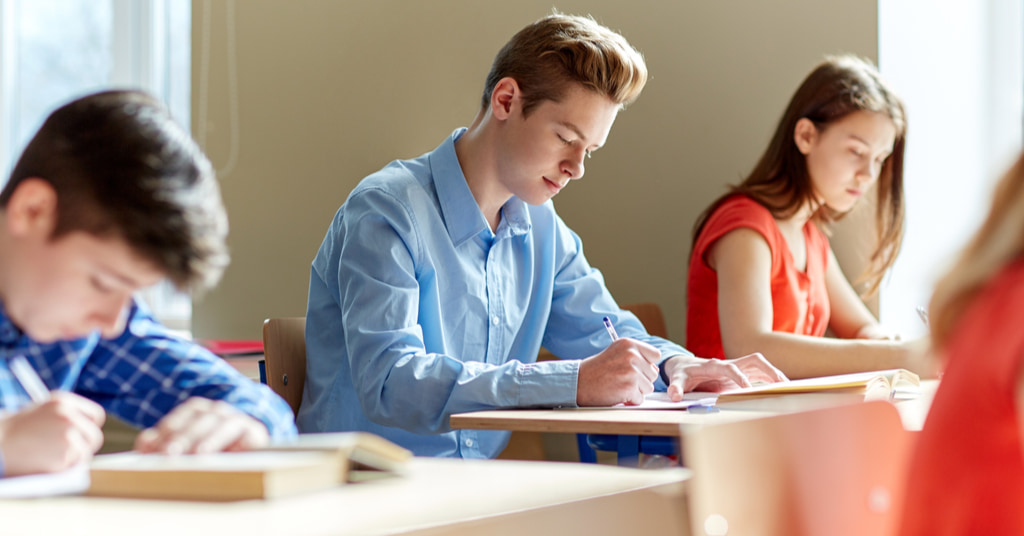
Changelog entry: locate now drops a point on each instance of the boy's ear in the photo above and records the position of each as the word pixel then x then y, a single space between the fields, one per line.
pixel 505 98
pixel 805 134
pixel 32 209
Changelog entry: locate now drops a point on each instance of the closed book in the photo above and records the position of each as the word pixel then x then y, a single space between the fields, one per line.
pixel 224 476
pixel 307 463
pixel 362 450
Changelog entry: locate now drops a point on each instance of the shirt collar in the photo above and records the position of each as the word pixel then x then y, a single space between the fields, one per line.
pixel 462 215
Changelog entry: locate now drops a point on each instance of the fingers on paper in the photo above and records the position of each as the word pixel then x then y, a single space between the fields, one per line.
pixel 201 425
pixel 757 368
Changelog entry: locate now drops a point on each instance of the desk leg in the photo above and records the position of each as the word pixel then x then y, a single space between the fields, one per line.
pixel 629 451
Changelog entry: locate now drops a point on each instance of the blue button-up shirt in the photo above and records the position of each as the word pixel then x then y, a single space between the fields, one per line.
pixel 139 376
pixel 418 311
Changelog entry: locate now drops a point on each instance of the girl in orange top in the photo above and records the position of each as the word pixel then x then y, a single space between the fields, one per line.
pixel 762 276
pixel 967 474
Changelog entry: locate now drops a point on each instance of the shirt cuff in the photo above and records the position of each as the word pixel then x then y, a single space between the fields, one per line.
pixel 549 384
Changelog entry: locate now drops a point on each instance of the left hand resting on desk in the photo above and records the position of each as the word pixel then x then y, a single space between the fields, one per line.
pixel 202 425
pixel 688 373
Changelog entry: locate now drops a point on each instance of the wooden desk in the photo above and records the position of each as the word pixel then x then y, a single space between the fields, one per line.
pixel 437 496
pixel 671 423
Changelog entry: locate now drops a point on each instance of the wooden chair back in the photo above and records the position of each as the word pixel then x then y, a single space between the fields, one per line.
pixel 837 471
pixel 650 315
pixel 284 347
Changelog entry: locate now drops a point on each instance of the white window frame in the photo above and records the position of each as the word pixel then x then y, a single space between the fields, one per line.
pixel 142 51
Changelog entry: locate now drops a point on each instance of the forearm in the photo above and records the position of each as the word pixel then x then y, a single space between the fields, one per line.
pixel 420 394
pixel 802 356
pixel 262 404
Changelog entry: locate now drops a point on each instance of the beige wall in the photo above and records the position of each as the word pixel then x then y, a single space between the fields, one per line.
pixel 329 91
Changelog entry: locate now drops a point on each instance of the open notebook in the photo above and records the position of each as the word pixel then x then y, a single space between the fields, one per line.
pixel 307 463
pixel 876 385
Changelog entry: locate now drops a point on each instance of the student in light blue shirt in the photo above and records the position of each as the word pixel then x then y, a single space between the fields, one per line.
pixel 111 196
pixel 442 276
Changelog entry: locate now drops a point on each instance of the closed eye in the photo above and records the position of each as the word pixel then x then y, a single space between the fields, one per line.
pixel 100 286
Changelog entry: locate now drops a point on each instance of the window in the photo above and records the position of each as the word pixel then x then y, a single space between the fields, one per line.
pixel 52 51
pixel 958 66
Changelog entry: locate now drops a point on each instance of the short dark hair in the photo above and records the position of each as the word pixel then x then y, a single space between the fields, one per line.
pixel 122 167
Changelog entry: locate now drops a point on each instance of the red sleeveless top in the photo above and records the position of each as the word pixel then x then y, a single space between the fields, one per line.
pixel 800 302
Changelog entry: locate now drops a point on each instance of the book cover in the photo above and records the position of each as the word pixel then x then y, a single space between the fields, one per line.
pixel 224 476
pixel 309 462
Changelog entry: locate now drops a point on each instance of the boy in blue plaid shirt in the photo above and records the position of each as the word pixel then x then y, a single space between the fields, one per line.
pixel 111 196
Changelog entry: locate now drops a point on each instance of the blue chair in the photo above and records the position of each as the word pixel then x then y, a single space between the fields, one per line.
pixel 629 447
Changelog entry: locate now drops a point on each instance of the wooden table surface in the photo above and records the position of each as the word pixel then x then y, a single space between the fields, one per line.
pixel 667 422
pixel 435 496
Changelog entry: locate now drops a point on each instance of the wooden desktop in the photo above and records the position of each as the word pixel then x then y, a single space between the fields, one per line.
pixel 435 496
pixel 668 422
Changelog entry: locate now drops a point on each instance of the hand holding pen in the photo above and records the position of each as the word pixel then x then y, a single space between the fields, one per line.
pixel 624 372
pixel 59 430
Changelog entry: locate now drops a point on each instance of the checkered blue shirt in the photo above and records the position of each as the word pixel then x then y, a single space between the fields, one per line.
pixel 139 376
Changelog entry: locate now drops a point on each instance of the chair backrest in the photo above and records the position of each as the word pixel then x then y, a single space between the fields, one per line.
pixel 284 347
pixel 836 471
pixel 649 314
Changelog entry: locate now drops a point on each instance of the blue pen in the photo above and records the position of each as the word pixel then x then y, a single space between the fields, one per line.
pixel 611 329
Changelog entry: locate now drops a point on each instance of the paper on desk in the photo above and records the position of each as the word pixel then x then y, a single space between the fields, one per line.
pixel 661 400
pixel 70 482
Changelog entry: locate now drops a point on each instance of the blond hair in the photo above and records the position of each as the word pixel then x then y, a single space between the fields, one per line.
pixel 999 242
pixel 546 57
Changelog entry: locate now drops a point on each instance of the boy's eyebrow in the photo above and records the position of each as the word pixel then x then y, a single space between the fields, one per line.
pixel 124 279
pixel 576 130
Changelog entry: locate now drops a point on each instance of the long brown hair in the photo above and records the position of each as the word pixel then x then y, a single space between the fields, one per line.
pixel 999 241
pixel 839 86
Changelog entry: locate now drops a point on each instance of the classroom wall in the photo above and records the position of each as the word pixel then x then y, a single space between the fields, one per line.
pixel 326 92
